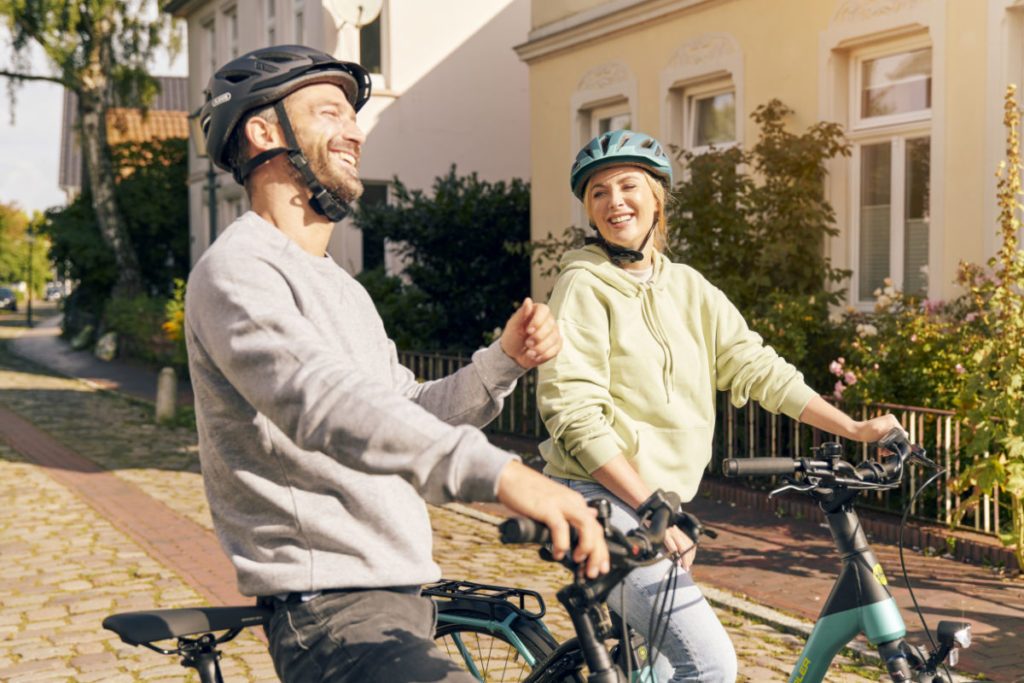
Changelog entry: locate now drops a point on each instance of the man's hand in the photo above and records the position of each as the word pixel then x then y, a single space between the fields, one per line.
pixel 531 336
pixel 533 495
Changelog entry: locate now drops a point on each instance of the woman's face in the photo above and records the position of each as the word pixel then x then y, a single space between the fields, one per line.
pixel 622 205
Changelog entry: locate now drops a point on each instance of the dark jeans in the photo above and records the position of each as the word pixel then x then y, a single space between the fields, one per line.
pixel 359 636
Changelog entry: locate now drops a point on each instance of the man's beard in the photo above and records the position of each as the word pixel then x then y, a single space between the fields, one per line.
pixel 340 182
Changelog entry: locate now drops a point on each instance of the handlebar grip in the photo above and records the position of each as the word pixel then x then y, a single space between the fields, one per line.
pixel 896 441
pixel 758 467
pixel 522 530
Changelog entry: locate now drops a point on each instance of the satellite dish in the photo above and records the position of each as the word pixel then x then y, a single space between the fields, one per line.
pixel 357 13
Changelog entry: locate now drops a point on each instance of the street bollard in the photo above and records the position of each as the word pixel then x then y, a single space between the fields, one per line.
pixel 166 395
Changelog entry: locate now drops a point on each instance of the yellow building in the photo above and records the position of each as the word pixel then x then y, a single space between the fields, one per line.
pixel 917 85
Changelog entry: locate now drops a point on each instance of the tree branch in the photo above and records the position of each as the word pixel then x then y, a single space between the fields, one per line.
pixel 31 77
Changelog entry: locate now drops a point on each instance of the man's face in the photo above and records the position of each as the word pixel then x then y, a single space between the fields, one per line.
pixel 325 127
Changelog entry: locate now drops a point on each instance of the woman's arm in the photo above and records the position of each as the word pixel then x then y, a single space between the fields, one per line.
pixel 823 415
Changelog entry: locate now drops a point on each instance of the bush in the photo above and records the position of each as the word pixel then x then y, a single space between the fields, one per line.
pixel 909 350
pixel 466 254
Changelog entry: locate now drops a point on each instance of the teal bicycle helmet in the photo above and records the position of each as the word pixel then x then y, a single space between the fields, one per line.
pixel 619 147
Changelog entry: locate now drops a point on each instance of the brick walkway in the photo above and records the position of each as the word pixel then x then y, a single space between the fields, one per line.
pixel 142 506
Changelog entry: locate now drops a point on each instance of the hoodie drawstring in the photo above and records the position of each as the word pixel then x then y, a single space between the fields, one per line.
pixel 653 322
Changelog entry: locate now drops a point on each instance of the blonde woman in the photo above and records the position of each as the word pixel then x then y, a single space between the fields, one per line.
pixel 630 401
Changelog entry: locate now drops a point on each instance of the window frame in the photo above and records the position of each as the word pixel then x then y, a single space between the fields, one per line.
pixel 299 21
pixel 231 33
pixel 270 21
pixel 694 93
pixel 897 208
pixel 857 60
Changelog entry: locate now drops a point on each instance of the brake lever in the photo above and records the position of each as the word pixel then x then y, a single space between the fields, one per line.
pixel 920 456
pixel 690 525
pixel 792 486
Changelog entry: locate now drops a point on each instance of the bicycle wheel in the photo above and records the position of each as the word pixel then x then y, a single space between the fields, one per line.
pixel 467 633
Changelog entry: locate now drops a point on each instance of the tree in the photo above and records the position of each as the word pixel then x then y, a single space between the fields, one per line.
pixel 466 254
pixel 754 222
pixel 992 401
pixel 15 250
pixel 98 50
pixel 152 191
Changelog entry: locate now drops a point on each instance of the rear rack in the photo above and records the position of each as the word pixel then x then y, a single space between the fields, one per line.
pixel 513 598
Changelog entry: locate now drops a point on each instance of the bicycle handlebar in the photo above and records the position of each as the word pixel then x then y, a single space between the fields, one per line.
pixel 637 546
pixel 759 467
pixel 831 468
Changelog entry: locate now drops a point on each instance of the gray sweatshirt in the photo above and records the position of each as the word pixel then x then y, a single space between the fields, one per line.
pixel 317 447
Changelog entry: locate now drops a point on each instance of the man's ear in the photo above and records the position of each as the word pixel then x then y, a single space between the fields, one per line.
pixel 262 134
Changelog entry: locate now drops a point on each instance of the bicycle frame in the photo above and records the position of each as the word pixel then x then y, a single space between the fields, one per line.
pixel 860 602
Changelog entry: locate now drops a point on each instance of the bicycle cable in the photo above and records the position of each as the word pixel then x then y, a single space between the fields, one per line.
pixel 664 603
pixel 903 564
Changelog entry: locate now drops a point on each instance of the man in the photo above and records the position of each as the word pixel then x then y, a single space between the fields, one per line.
pixel 317 447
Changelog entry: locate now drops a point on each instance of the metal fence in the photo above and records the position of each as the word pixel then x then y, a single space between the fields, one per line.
pixel 752 431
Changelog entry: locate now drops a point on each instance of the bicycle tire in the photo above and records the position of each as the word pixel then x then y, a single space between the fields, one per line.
pixel 492 655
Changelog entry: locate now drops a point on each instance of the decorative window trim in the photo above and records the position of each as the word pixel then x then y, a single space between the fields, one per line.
pixel 604 85
pixel 707 62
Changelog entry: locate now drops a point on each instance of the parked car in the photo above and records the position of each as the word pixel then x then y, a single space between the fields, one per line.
pixel 54 291
pixel 8 301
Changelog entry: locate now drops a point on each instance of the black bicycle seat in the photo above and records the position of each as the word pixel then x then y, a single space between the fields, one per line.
pixel 138 628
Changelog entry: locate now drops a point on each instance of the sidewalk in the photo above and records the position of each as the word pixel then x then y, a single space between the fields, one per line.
pixel 784 563
pixel 42 345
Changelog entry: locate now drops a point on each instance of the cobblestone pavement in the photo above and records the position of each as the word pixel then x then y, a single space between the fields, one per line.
pixel 65 566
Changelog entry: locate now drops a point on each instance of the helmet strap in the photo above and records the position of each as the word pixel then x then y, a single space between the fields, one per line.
pixel 324 202
pixel 618 254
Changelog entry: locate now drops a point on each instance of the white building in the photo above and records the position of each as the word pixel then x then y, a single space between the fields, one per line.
pixel 448 88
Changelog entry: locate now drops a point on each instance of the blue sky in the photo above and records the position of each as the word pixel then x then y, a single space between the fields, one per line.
pixel 30 149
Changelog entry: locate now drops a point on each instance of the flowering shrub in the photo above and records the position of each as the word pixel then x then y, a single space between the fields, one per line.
pixel 992 400
pixel 909 350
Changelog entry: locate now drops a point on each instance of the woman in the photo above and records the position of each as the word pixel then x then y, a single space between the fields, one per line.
pixel 630 400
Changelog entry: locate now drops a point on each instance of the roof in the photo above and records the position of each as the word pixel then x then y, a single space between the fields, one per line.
pixel 167 117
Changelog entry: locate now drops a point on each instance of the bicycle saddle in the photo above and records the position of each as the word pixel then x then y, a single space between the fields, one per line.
pixel 137 628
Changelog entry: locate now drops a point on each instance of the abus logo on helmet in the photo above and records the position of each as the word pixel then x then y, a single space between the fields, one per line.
pixel 220 99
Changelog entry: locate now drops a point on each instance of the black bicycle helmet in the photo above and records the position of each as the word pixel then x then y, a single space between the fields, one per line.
pixel 263 77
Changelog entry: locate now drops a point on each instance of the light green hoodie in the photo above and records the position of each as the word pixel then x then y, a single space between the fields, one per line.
pixel 639 368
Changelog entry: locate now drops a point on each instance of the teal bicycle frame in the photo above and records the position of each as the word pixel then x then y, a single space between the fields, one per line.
pixel 860 602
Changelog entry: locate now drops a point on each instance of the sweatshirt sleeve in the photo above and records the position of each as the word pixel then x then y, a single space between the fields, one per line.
pixel 242 317
pixel 572 391
pixel 750 370
pixel 472 395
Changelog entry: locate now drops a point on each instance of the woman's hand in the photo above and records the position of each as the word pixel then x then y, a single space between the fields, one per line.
pixel 680 547
pixel 874 429
pixel 821 414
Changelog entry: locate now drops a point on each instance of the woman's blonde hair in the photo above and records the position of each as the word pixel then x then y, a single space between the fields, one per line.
pixel 660 196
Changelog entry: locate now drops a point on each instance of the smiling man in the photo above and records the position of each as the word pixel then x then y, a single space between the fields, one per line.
pixel 318 448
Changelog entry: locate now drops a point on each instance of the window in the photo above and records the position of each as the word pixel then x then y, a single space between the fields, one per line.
pixel 270 16
pixel 231 30
pixel 374 194
pixel 370 52
pixel 608 118
pixel 299 23
pixel 894 88
pixel 713 118
pixel 209 47
pixel 891 99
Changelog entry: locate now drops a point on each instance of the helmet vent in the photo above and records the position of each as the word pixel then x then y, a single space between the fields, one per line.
pixel 236 77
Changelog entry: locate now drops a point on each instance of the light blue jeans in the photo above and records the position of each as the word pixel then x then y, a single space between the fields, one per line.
pixel 696 646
